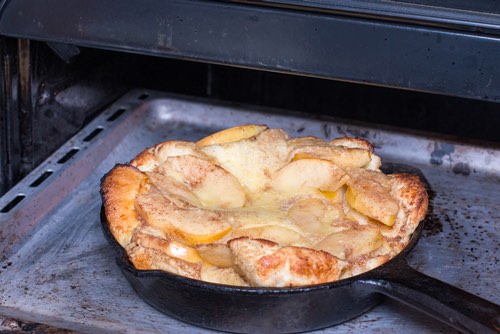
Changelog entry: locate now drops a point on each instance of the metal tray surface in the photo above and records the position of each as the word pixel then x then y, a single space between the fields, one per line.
pixel 56 267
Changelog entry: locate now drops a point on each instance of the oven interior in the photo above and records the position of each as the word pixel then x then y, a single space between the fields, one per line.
pixel 424 69
pixel 426 65
pixel 65 91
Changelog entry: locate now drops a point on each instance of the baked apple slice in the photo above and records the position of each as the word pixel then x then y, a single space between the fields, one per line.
pixel 346 153
pixel 335 196
pixel 176 191
pixel 148 251
pixel 252 160
pixel 150 159
pixel 299 175
pixel 232 134
pixel 189 226
pixel 213 186
pixel 175 148
pixel 169 247
pixel 357 144
pixel 352 242
pixel 353 142
pixel 216 254
pixel 343 156
pixel 369 192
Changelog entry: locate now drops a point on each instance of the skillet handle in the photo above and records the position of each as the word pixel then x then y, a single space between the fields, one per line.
pixel 457 308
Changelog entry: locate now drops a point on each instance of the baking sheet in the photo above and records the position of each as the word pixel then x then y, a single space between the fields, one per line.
pixel 56 267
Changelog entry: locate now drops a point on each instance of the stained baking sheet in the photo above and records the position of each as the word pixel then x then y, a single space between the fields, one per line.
pixel 57 268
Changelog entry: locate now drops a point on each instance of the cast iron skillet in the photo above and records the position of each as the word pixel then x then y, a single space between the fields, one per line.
pixel 298 309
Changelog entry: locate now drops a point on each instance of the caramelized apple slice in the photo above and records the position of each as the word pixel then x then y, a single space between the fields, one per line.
pixel 232 134
pixel 214 186
pixel 351 243
pixel 186 225
pixel 217 254
pixel 279 234
pixel 369 195
pixel 309 173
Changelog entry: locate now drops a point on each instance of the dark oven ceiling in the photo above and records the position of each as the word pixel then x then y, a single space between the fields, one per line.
pixel 442 47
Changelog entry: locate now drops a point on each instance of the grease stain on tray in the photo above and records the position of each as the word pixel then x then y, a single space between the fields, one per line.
pixel 462 168
pixel 440 151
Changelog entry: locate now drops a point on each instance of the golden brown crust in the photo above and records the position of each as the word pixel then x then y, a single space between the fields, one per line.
pixel 265 263
pixel 119 189
pixel 413 200
pixel 302 266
